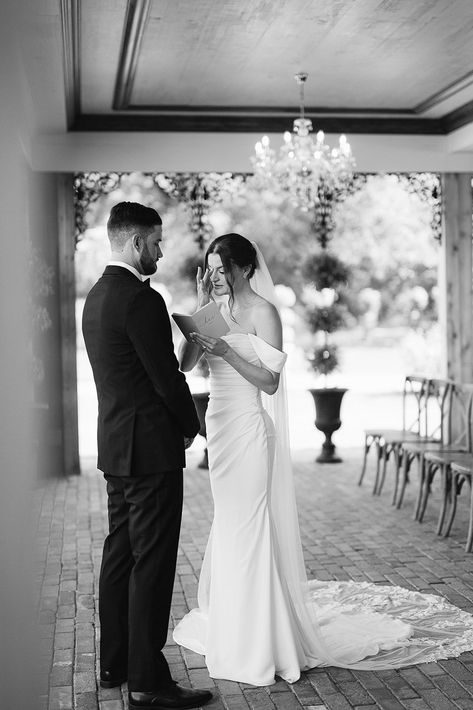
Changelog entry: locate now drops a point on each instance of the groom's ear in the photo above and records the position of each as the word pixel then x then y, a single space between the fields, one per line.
pixel 136 241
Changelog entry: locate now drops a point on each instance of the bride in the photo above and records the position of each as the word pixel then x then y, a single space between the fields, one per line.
pixel 257 614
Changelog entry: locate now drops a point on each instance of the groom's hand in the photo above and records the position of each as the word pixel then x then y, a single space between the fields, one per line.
pixel 188 441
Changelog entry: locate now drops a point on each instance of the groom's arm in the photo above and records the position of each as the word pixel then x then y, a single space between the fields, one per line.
pixel 149 330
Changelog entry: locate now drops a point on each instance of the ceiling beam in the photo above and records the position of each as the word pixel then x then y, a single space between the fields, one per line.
pixel 460 117
pixel 461 139
pixel 222 152
pixel 256 123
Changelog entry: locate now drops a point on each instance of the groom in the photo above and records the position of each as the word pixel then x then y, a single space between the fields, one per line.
pixel 146 420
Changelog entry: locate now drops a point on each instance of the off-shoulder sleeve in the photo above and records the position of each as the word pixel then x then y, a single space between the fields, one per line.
pixel 269 356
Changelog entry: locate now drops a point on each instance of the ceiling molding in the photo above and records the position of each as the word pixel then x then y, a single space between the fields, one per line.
pixel 253 124
pixel 281 111
pixel 439 114
pixel 460 117
pixel 447 94
pixel 136 17
pixel 70 23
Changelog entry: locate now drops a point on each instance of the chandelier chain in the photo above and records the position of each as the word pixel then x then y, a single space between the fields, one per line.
pixel 301 79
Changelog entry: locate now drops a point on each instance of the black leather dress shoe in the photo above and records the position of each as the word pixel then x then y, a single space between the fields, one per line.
pixel 172 697
pixel 107 680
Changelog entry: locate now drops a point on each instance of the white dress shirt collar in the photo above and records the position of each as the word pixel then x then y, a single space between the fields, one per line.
pixel 132 269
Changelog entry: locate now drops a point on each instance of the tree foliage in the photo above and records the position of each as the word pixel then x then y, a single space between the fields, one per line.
pixel 382 234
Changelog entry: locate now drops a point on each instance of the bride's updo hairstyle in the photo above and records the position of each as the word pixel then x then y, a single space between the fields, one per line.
pixel 233 249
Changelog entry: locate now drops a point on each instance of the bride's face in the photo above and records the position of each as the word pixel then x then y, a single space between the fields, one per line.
pixel 220 279
pixel 217 275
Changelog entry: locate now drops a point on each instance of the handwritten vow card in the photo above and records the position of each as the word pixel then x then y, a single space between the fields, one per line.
pixel 207 320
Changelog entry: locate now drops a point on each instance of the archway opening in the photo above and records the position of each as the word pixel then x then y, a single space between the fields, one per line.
pixel 387 232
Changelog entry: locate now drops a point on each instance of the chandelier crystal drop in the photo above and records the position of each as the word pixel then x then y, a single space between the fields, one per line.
pixel 304 168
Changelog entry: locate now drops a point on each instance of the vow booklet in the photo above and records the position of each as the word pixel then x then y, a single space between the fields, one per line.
pixel 207 320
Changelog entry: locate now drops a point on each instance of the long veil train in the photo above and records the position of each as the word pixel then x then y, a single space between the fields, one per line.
pixel 348 624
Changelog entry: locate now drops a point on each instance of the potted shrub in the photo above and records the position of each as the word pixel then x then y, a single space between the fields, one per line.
pixel 326 276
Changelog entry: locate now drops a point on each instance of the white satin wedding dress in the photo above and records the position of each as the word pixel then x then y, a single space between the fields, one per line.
pixel 257 615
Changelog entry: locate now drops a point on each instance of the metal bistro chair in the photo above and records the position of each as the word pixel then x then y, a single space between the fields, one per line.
pixel 461 472
pixel 438 425
pixel 433 428
pixel 459 451
pixel 413 410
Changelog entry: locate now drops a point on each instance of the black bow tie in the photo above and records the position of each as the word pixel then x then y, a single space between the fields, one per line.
pixel 146 282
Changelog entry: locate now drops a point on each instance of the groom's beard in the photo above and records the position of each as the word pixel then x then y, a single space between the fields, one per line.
pixel 147 263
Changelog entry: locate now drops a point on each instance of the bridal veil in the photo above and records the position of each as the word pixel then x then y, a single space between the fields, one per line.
pixel 345 624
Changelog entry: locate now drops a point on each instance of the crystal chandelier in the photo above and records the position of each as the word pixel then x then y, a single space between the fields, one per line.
pixel 307 170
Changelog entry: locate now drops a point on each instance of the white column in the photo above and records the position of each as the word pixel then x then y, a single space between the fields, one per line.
pixel 455 277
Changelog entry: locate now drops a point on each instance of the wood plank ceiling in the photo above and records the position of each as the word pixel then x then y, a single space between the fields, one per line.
pixel 375 66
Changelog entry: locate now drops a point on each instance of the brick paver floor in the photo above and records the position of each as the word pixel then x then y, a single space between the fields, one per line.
pixel 347 534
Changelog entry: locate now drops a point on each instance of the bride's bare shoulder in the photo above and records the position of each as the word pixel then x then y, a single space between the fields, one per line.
pixel 265 317
pixel 263 308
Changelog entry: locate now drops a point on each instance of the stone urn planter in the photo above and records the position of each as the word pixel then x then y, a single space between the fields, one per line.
pixel 326 312
pixel 201 400
pixel 327 402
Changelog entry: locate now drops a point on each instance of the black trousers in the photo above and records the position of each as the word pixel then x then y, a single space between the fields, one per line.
pixel 137 576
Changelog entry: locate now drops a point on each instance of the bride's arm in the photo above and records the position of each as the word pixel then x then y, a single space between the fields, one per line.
pixel 189 354
pixel 268 327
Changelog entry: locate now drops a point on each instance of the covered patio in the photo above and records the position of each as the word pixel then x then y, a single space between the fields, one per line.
pixel 188 88
pixel 114 94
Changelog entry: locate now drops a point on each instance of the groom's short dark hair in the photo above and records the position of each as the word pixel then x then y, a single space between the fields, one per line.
pixel 128 217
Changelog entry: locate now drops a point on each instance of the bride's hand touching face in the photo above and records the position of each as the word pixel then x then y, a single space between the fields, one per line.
pixel 204 287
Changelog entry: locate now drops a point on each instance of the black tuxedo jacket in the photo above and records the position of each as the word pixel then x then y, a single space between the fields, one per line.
pixel 145 406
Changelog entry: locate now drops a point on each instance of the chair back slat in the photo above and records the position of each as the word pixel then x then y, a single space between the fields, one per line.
pixel 413 403
pixel 460 416
pixel 436 415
